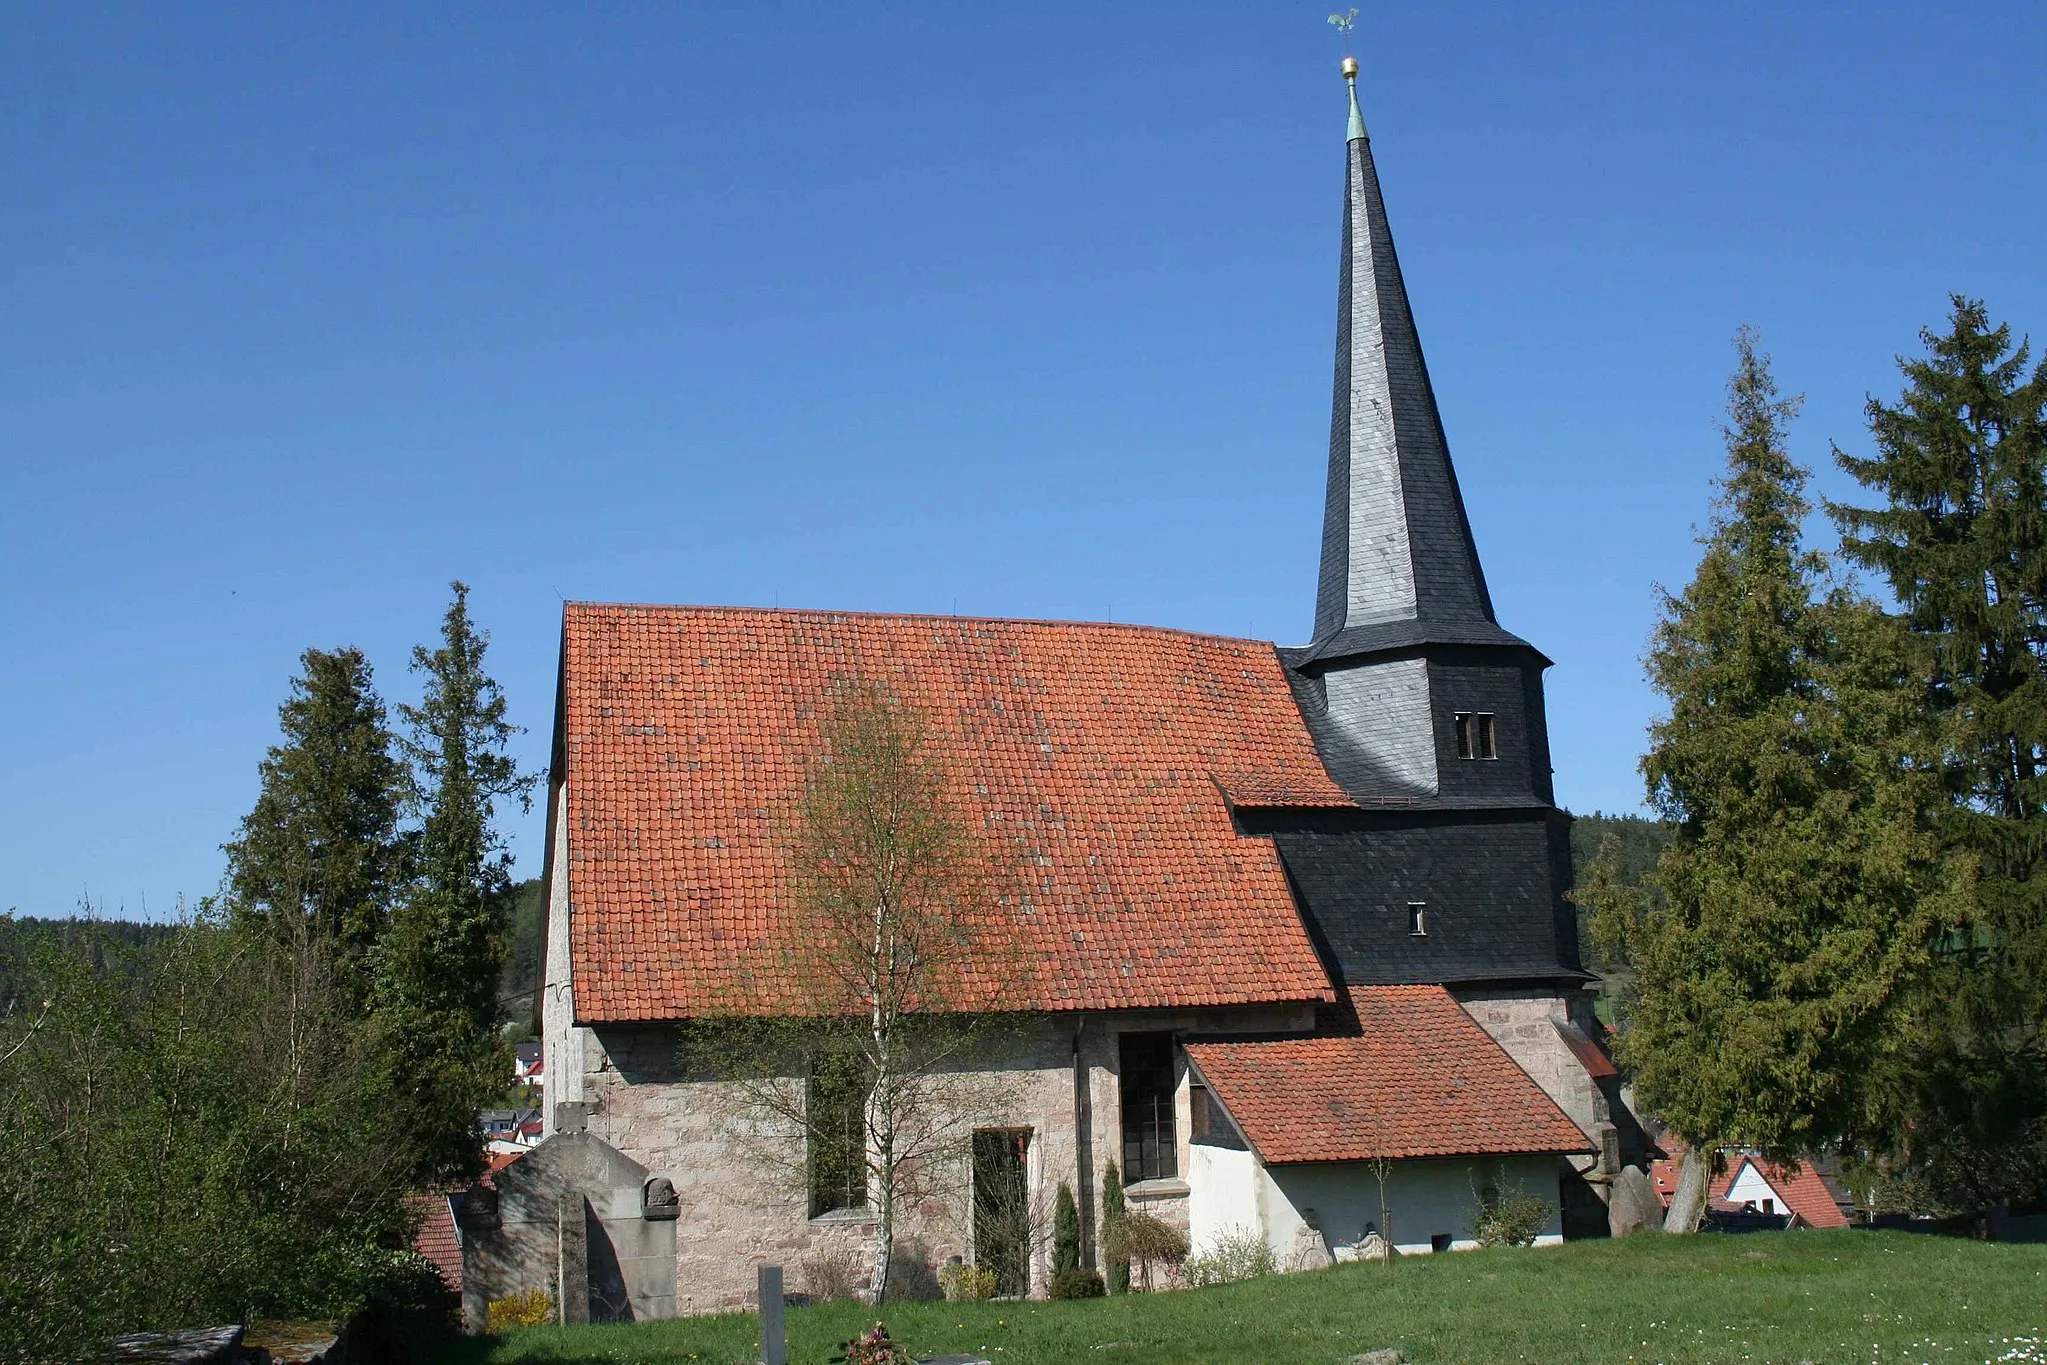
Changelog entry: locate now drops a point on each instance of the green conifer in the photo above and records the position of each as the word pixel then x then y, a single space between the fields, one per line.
pixel 437 986
pixel 1803 886
pixel 1960 537
pixel 322 844
pixel 1065 1230
pixel 1112 1213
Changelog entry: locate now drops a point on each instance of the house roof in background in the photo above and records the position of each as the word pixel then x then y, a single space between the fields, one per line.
pixel 1402 1071
pixel 437 1238
pixel 1805 1193
pixel 1107 756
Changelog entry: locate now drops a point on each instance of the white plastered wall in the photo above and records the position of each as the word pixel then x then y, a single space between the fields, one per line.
pixel 1232 1191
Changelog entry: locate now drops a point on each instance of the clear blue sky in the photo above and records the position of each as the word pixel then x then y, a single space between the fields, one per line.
pixel 1005 309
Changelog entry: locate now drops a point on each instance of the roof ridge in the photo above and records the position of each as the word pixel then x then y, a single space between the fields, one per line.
pixel 698 608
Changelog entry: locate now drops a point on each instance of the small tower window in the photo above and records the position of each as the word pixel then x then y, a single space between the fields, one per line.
pixel 1418 918
pixel 1476 735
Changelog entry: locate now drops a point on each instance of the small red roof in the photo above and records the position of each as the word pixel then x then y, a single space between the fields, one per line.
pixel 437 1239
pixel 1404 1072
pixel 1804 1194
pixel 1109 756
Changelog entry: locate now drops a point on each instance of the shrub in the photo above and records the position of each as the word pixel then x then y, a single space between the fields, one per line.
pixel 1112 1214
pixel 527 1308
pixel 1142 1239
pixel 833 1273
pixel 873 1347
pixel 966 1283
pixel 1510 1217
pixel 1078 1284
pixel 1065 1231
pixel 1235 1254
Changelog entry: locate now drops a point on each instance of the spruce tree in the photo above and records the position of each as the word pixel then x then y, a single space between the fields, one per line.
pixel 437 987
pixel 1960 537
pixel 1793 901
pixel 322 844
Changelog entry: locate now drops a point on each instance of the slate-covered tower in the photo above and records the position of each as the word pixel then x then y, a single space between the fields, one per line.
pixel 1425 710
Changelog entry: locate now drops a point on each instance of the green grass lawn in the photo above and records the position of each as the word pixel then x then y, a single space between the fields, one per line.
pixel 1804 1296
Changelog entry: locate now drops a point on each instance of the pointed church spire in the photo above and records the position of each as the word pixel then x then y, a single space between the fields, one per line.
pixel 1397 553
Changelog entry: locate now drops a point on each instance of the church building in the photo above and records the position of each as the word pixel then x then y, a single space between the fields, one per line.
pixel 1297 951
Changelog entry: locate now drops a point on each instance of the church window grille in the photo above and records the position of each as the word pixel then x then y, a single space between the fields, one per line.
pixel 1487 746
pixel 1418 918
pixel 1151 1149
pixel 836 1111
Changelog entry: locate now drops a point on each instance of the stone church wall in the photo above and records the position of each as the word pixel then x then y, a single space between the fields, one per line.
pixel 735 1212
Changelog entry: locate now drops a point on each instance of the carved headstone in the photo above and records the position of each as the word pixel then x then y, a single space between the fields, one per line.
pixel 1633 1206
pixel 1310 1251
pixel 658 1199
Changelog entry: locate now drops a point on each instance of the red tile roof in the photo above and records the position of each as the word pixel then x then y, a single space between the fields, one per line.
pixel 1805 1194
pixel 437 1239
pixel 1110 753
pixel 1405 1072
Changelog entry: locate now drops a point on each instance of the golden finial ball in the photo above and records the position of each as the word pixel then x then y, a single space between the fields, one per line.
pixel 1350 68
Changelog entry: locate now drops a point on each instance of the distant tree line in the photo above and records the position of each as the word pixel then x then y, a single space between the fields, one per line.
pixel 1843 949
pixel 222 1120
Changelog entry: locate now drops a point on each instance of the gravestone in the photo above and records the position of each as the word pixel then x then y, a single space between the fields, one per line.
pixel 1633 1206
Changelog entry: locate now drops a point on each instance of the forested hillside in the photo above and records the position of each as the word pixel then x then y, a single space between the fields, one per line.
pixel 109 945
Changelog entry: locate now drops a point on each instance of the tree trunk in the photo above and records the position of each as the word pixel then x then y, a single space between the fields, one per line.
pixel 1688 1205
pixel 884 1237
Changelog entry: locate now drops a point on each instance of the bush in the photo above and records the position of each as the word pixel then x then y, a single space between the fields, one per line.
pixel 1510 1217
pixel 527 1308
pixel 963 1283
pixel 1235 1254
pixel 1078 1284
pixel 1140 1239
pixel 245 1160
pixel 833 1273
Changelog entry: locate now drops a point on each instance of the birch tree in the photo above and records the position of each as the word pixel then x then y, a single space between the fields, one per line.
pixel 895 981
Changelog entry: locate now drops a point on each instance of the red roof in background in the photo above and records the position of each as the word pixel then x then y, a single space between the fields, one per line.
pixel 1110 753
pixel 1404 1072
pixel 1805 1194
pixel 437 1239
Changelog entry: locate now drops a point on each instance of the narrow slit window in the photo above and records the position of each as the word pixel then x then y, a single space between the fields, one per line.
pixel 835 1115
pixel 1465 736
pixel 1418 918
pixel 1488 746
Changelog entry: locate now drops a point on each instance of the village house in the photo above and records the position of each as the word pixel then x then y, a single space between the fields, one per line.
pixel 1295 947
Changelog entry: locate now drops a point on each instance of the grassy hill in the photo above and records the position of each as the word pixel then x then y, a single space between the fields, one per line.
pixel 1815 1297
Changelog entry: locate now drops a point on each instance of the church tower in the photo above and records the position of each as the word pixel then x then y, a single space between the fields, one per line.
pixel 1423 708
